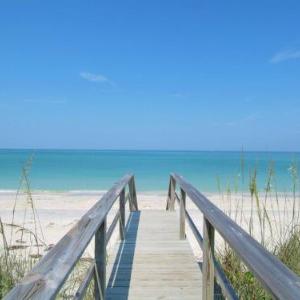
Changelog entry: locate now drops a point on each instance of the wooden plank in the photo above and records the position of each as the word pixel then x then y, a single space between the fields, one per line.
pixel 165 292
pixel 152 262
pixel 208 269
pixel 182 215
pixel 227 289
pixel 279 280
pixel 122 215
pixel 47 277
pixel 171 195
pixel 100 262
pixel 132 191
pixel 85 283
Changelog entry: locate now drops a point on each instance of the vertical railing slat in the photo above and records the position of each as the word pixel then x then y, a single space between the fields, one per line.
pixel 79 295
pixel 132 191
pixel 100 261
pixel 171 194
pixel 182 214
pixel 208 275
pixel 122 214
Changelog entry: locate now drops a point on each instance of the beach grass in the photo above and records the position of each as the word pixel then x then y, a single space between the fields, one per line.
pixel 18 257
pixel 280 238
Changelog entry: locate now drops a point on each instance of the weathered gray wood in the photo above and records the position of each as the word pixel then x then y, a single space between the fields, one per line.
pixel 227 289
pixel 152 262
pixel 194 229
pixel 122 215
pixel 182 215
pixel 46 278
pixel 100 261
pixel 208 269
pixel 85 283
pixel 132 191
pixel 280 281
pixel 171 194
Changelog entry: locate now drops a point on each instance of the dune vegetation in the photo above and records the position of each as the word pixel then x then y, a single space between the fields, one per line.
pixel 276 223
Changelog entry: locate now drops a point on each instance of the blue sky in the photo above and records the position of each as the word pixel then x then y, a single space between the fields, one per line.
pixel 198 75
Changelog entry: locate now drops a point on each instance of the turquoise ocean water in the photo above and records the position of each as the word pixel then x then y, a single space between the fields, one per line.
pixel 98 170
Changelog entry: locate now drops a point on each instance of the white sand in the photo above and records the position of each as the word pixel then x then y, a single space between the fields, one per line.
pixel 59 211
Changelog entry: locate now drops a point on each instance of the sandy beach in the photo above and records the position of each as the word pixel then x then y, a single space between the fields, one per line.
pixel 57 212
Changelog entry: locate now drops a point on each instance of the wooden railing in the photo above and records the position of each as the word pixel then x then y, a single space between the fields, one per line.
pixel 274 276
pixel 45 280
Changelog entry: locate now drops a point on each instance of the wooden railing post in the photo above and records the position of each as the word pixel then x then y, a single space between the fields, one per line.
pixel 100 261
pixel 171 194
pixel 208 274
pixel 133 199
pixel 182 214
pixel 122 215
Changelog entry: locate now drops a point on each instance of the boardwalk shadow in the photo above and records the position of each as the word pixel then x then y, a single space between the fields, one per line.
pixel 119 280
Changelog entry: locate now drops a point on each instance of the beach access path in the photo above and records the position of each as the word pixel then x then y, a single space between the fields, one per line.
pixel 153 262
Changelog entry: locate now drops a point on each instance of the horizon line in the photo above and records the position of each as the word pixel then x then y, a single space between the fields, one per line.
pixel 145 149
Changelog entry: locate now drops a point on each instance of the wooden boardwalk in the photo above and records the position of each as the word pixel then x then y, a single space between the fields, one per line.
pixel 152 262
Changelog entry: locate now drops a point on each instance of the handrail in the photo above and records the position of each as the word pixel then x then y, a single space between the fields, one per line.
pixel 227 289
pixel 47 277
pixel 275 277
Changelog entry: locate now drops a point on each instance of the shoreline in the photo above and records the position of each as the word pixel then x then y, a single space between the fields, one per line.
pixel 142 192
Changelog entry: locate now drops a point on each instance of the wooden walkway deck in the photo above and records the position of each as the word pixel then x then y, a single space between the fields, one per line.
pixel 152 262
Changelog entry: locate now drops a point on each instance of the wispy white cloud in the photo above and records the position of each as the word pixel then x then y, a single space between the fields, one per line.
pixel 95 77
pixel 285 55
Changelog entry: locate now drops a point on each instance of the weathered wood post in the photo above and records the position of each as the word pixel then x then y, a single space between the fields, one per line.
pixel 182 214
pixel 171 194
pixel 122 215
pixel 208 272
pixel 100 261
pixel 132 192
